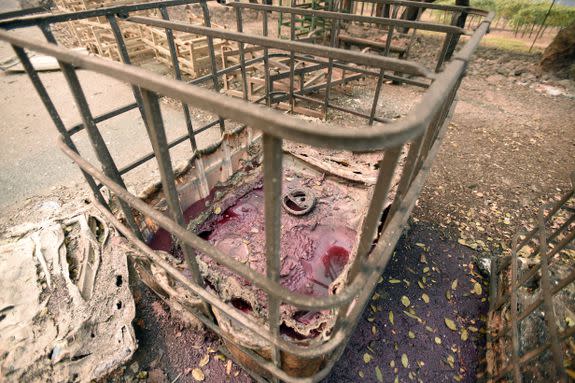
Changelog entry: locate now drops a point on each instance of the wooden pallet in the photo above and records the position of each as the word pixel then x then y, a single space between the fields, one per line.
pixel 142 42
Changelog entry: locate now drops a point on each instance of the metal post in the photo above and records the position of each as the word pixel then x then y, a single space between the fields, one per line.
pixel 56 119
pixel 272 148
pixel 159 142
pixel 123 51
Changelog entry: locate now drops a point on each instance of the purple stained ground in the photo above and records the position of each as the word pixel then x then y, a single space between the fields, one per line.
pixel 425 263
pixel 166 345
pixel 386 342
pixel 313 255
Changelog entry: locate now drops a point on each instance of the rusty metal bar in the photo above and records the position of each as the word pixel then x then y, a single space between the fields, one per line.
pixel 55 116
pixel 104 156
pixel 178 76
pixel 292 66
pixel 296 46
pixel 272 150
pixel 548 300
pixel 354 18
pixel 514 310
pixel 266 59
pixel 376 96
pixel 547 290
pixel 114 10
pixel 426 5
pixel 240 27
pixel 157 134
pixel 124 55
pixel 213 65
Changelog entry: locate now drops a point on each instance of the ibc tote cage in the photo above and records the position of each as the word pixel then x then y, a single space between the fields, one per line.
pixel 418 135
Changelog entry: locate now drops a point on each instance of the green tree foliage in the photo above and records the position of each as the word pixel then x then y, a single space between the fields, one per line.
pixel 525 13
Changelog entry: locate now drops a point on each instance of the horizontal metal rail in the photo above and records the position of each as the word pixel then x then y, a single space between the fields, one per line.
pixel 268 121
pixel 23 12
pixel 36 20
pixel 426 5
pixel 386 63
pixel 356 18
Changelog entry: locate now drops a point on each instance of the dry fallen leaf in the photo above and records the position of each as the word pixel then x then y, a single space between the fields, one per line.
pixel 378 374
pixel 405 301
pixel 437 340
pixel 451 361
pixel 205 360
pixel 425 297
pixel 477 290
pixel 454 285
pixel 464 335
pixel 198 375
pixel 394 281
pixel 411 335
pixel 451 324
pixel 229 367
pixel 404 360
pixel 391 317
pixel 367 358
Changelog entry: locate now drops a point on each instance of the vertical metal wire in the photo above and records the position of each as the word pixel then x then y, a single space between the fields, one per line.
pixel 412 39
pixel 292 65
pixel 272 163
pixel 266 59
pixel 376 96
pixel 212 53
pixel 125 57
pixel 514 309
pixel 240 27
pixel 334 32
pixel 98 143
pixel 159 142
pixel 104 156
pixel 178 75
pixel 550 319
pixel 368 231
pixel 390 32
pixel 55 116
pixel 408 172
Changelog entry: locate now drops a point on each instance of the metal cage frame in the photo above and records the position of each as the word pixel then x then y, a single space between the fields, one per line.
pixel 506 279
pixel 420 133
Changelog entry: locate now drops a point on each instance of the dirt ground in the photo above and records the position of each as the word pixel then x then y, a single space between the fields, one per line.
pixel 510 147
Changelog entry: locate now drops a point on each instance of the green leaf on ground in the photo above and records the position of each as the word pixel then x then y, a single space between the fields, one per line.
pixel 378 374
pixel 404 360
pixel 464 335
pixel 367 357
pixel 405 301
pixel 477 290
pixel 450 324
